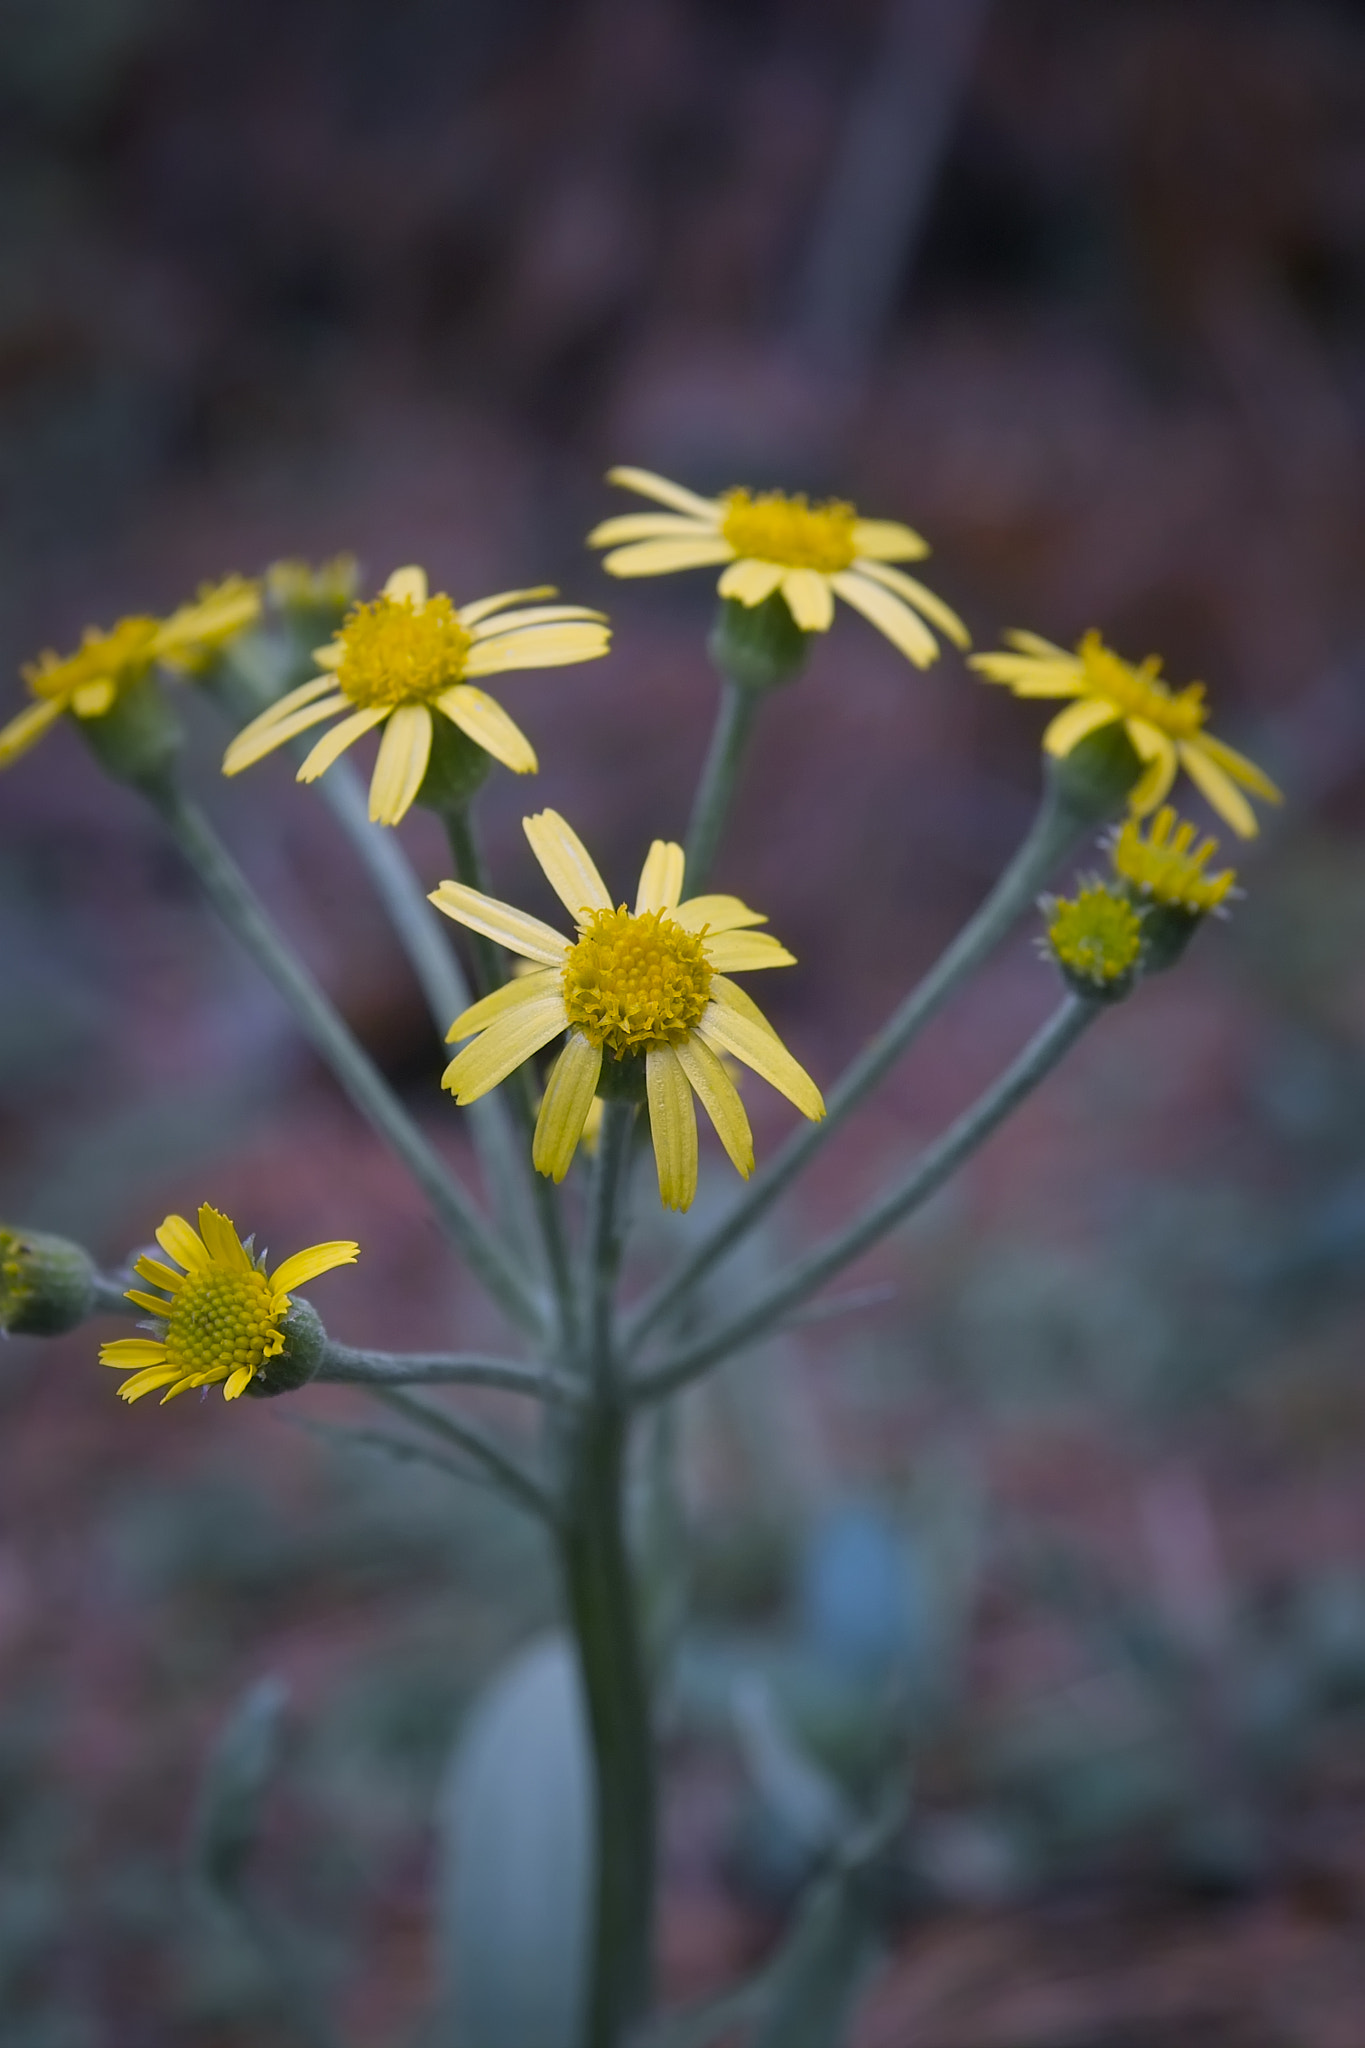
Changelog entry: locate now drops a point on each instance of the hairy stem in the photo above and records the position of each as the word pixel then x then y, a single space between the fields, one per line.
pixel 929 1172
pixel 345 1365
pixel 715 792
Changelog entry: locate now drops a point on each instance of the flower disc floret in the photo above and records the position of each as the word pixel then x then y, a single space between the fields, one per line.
pixel 396 652
pixel 635 982
pixel 1168 868
pixel 221 1318
pixel 1096 936
pixel 771 527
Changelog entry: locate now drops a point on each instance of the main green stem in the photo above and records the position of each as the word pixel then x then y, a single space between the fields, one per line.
pixel 601 1597
pixel 236 903
pixel 715 792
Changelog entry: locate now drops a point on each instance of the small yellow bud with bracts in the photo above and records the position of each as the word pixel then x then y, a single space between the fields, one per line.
pixel 1095 938
pixel 222 1318
pixel 1167 867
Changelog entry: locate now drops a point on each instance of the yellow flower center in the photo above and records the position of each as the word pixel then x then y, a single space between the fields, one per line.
pixel 395 652
pixel 220 1320
pixel 776 528
pixel 1162 865
pixel 635 982
pixel 1097 935
pixel 1139 692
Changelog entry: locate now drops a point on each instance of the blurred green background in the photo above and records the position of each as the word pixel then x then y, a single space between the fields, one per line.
pixel 1067 1522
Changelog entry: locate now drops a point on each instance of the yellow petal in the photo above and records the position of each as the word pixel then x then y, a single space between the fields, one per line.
pixel 502 922
pixel 157 1303
pixel 1028 677
pixel 673 1127
pixel 886 540
pixel 330 656
pixel 147 1382
pixel 661 557
pixel 749 582
pixel 224 1245
pixel 1034 643
pixel 523 988
pixel 176 1237
pixel 1075 722
pixel 649 485
pixel 733 1022
pixel 921 597
pixel 538 647
pixel 505 1045
pixel 742 952
pixel 159 1275
pixel 609 533
pixel 809 598
pixel 239 1382
pixel 717 913
pixel 1158 750
pixel 568 866
pixel 22 732
pixel 402 764
pixel 537 615
pixel 292 700
pixel 902 627
pixel 470 614
pixel 1238 767
pixel 333 744
pixel 720 1099
pixel 127 1353
pixel 262 737
pixel 661 877
pixel 569 1096
pixel 319 1258
pixel 408 586
pixel 1220 789
pixel 93 700
pixel 489 726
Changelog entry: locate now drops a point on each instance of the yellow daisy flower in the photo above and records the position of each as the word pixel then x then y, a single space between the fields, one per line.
pixel 222 1314
pixel 1166 726
pixel 650 985
pixel 1167 868
pixel 191 636
pixel 406 654
pixel 772 542
pixel 87 683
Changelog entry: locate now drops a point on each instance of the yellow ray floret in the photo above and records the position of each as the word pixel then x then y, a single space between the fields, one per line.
pixel 770 542
pixel 408 654
pixel 220 1311
pixel 1167 867
pixel 650 985
pixel 1166 726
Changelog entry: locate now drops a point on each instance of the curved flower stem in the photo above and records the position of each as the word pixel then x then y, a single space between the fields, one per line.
pixel 237 905
pixel 1054 831
pixel 345 1365
pixel 725 757
pixel 508 1471
pixel 931 1169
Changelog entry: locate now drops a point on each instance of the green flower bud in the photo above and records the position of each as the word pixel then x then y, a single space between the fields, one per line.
pixel 758 646
pixel 305 1342
pixel 47 1284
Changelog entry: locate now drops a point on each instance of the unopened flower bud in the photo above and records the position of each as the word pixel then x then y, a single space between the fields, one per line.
pixel 1095 938
pixel 47 1284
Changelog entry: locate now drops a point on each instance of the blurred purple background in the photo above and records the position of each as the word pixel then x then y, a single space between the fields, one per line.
pixel 1080 293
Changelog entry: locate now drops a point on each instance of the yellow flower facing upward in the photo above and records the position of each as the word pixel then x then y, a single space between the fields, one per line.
pixel 772 542
pixel 1095 938
pixel 221 1316
pixel 193 635
pixel 1168 868
pixel 407 654
pixel 1166 726
pixel 650 985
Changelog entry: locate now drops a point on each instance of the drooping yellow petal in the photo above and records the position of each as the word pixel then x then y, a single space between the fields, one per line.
pixel 238 1382
pixel 734 1023
pixel 886 540
pixel 661 877
pixel 538 647
pixel 333 744
pixel 610 533
pixel 810 600
pixel 717 913
pixel 470 614
pixel 719 1097
pixel 262 736
pixel 1073 724
pixel 27 728
pixel 750 582
pixel 303 1266
pixel 1238 767
pixel 741 952
pixel 147 1382
pixel 505 1045
pixel 402 763
pixel 921 597
pixel 659 488
pixel 672 1126
pixel 1220 789
pixel 569 867
pixel 523 988
pixel 407 586
pixel 502 922
pixel 569 1096
pixel 183 1243
pixel 127 1353
pixel 1158 750
pixel 537 615
pixel 902 627
pixel 489 726
pixel 159 1275
pixel 224 1246
pixel 662 557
